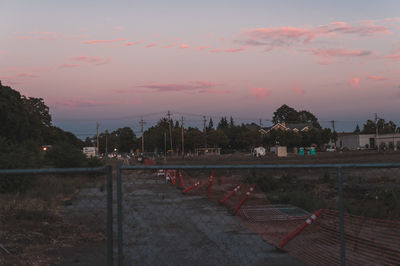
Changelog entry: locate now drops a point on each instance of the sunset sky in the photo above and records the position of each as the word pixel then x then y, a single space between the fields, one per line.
pixel 113 61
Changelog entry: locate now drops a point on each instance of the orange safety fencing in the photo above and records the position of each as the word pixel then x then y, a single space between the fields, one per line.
pixel 312 238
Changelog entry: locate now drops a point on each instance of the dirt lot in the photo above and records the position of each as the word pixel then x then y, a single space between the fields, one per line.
pixel 164 227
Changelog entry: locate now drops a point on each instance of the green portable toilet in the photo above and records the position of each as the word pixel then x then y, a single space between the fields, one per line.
pixel 301 151
pixel 312 151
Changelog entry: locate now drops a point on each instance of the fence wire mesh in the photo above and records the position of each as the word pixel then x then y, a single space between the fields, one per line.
pixel 60 218
pixel 236 217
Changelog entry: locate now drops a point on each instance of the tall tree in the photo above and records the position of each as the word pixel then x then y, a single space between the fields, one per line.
pixel 285 114
pixel 210 124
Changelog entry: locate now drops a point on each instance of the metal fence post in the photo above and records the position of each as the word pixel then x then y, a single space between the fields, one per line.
pixel 109 217
pixel 119 217
pixel 341 217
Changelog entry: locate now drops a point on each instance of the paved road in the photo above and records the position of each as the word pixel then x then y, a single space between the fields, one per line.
pixel 164 227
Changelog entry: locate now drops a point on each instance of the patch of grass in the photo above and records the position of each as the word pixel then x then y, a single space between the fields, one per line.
pixel 35 215
pixel 326 178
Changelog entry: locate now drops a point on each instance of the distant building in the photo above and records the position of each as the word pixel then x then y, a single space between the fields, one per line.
pixel 354 141
pixel 90 151
pixel 295 127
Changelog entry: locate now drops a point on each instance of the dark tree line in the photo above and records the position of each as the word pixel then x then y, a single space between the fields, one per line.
pixel 226 135
pixel 25 125
pixel 383 127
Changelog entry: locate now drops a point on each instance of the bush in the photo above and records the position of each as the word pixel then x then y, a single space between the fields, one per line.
pixel 17 156
pixel 64 155
pixel 94 162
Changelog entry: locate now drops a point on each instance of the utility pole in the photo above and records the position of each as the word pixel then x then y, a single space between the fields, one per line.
pixel 170 130
pixel 205 131
pixel 141 128
pixel 333 128
pixel 376 128
pixel 261 125
pixel 106 144
pixel 97 138
pixel 183 140
pixel 165 146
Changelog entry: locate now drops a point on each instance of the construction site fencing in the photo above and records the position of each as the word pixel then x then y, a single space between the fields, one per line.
pixel 64 217
pixel 318 214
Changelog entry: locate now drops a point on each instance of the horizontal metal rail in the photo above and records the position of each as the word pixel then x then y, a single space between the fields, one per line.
pixel 262 166
pixel 52 170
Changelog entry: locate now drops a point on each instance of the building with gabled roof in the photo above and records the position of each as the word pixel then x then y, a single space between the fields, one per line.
pixel 295 127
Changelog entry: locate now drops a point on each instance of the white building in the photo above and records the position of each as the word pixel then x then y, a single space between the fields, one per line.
pixel 354 141
pixel 90 151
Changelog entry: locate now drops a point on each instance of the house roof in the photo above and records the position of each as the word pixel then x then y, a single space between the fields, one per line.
pixel 288 126
pixel 298 126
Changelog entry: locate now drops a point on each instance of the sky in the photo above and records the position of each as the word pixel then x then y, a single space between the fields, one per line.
pixel 113 62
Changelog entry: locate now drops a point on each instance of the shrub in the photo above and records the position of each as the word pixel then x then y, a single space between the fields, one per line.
pixel 17 156
pixel 65 155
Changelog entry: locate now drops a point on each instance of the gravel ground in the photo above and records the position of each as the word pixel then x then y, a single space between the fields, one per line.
pixel 163 227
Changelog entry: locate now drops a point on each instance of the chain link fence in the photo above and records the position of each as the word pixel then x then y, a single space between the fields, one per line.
pixel 63 216
pixel 259 214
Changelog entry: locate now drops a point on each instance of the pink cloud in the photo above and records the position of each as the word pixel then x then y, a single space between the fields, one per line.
pixel 288 36
pixel 92 60
pixel 260 92
pixel 339 52
pixel 194 86
pixel 299 91
pixel 235 50
pixel 117 28
pixel 151 45
pixel 377 78
pixel 354 82
pixel 183 46
pixel 104 41
pixel 199 48
pixel 133 43
pixel 68 65
pixel 364 29
pixel 276 37
pixel 395 56
pixel 327 56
